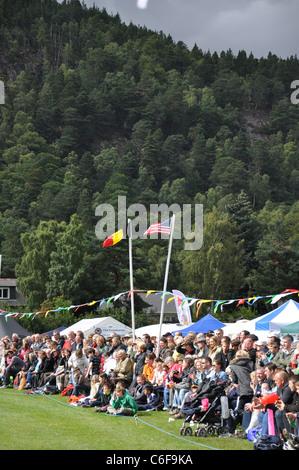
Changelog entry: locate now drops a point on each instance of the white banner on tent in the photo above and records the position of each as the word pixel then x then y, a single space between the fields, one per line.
pixel 106 331
pixel 103 325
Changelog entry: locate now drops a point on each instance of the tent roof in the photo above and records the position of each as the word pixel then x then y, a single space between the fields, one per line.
pixel 284 315
pixel 9 325
pixel 234 328
pixel 293 328
pixel 203 325
pixel 103 325
pixel 50 333
pixel 153 330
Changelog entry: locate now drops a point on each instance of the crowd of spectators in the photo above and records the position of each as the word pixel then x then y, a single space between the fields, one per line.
pixel 119 375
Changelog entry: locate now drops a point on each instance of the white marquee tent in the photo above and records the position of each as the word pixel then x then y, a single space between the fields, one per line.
pixel 231 329
pixel 153 330
pixel 104 326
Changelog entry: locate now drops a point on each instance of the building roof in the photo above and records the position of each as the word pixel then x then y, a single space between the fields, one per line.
pixel 7 282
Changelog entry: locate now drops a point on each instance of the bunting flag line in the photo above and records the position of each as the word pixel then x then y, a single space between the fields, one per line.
pixel 219 302
pixel 241 302
pixel 199 304
pixel 181 300
pixel 276 298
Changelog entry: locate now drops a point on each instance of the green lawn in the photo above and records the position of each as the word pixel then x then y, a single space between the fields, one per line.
pixel 37 422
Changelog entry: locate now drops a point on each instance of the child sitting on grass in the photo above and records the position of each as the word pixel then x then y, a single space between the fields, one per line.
pixel 105 398
pixel 152 398
pixel 122 403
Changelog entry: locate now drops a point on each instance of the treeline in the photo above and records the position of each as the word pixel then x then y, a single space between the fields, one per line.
pixel 95 109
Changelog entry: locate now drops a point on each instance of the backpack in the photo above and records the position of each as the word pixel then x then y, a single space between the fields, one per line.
pixel 50 390
pixel 267 442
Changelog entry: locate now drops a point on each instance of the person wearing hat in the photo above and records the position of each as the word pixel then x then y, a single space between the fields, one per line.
pixel 201 346
pixel 125 339
pixel 266 357
pixel 186 347
pixel 261 345
pixel 261 349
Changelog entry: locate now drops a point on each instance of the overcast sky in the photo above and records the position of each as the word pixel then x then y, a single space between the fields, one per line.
pixel 256 26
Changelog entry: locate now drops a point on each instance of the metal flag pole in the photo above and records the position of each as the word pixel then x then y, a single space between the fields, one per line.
pixel 165 280
pixel 131 277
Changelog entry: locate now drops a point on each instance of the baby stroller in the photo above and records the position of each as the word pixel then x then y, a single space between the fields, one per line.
pixel 209 408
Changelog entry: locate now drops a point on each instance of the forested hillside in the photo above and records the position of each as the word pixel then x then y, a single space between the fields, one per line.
pixel 95 109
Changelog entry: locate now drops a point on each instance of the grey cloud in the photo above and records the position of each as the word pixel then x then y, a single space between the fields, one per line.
pixel 257 26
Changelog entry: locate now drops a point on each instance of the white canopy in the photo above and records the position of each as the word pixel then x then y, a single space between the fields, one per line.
pixel 153 330
pixel 104 326
pixel 231 329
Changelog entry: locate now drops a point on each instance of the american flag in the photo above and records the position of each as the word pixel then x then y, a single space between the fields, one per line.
pixel 160 227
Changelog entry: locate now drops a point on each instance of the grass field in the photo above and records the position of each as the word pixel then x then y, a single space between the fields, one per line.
pixel 38 422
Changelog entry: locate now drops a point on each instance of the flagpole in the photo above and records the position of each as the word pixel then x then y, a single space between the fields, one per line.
pixel 165 280
pixel 131 277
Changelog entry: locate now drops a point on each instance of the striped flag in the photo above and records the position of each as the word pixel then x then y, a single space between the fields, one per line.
pixel 160 227
pixel 114 238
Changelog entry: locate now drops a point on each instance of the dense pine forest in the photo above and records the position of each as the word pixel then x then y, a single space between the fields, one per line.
pixel 95 109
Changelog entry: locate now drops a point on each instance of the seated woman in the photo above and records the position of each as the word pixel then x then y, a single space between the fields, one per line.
pixel 82 383
pixel 97 388
pixel 219 373
pixel 183 384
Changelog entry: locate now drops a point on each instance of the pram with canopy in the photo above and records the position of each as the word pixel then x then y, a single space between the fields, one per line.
pixel 208 407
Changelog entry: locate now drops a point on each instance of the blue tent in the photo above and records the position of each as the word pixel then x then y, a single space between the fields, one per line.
pixel 203 325
pixel 282 316
pixel 50 333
